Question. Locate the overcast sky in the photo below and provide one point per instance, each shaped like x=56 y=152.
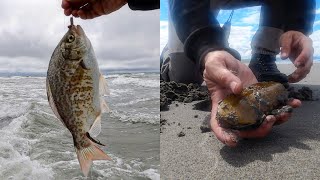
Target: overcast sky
x=244 y=25
x=30 y=30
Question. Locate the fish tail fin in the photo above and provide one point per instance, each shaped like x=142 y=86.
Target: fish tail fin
x=89 y=154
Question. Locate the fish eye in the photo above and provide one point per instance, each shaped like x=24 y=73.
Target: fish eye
x=71 y=38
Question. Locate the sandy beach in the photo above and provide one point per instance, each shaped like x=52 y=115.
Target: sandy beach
x=290 y=151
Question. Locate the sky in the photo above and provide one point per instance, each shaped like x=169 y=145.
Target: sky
x=30 y=31
x=244 y=24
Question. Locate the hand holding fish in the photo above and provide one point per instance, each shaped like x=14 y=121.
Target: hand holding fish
x=224 y=75
x=89 y=9
x=298 y=48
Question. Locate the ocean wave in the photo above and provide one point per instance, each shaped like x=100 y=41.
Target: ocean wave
x=136 y=117
x=135 y=101
x=136 y=81
x=35 y=145
x=15 y=162
x=126 y=169
x=119 y=92
x=23 y=77
x=152 y=174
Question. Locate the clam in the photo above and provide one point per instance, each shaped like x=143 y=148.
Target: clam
x=248 y=109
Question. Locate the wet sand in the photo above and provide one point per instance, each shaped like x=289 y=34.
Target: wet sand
x=291 y=150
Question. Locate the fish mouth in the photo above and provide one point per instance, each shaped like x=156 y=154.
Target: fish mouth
x=77 y=29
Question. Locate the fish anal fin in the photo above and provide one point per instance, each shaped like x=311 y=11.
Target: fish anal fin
x=89 y=154
x=95 y=128
x=103 y=86
x=52 y=103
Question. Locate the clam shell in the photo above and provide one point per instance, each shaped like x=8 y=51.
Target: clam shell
x=248 y=109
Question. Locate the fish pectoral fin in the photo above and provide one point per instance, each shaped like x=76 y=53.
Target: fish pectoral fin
x=95 y=128
x=83 y=65
x=52 y=103
x=89 y=154
x=103 y=86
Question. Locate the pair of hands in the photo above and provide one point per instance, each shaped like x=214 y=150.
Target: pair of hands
x=224 y=75
x=89 y=9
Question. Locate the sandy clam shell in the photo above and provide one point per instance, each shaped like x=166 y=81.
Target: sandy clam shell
x=248 y=109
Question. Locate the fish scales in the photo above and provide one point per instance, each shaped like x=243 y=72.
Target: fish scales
x=73 y=88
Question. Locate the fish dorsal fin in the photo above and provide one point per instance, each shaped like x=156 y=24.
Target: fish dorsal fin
x=103 y=90
x=95 y=128
x=103 y=86
x=52 y=103
x=104 y=106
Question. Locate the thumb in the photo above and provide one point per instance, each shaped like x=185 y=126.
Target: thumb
x=236 y=86
x=285 y=44
x=227 y=79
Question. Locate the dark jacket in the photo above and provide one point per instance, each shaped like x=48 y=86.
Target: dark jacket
x=144 y=4
x=200 y=32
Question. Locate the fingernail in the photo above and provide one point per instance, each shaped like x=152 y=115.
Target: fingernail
x=233 y=86
x=283 y=55
x=270 y=119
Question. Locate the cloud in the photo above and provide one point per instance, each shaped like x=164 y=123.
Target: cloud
x=240 y=38
x=318 y=11
x=316 y=23
x=31 y=30
x=251 y=19
x=163 y=34
x=315 y=36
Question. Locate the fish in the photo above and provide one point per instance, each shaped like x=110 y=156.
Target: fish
x=249 y=109
x=75 y=91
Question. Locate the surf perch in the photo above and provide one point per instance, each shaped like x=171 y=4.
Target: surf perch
x=75 y=89
x=248 y=109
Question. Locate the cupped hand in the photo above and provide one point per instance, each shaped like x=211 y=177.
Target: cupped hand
x=298 y=48
x=224 y=75
x=89 y=9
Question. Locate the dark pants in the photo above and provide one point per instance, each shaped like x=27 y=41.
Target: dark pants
x=276 y=17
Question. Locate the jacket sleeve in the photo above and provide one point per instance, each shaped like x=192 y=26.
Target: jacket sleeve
x=196 y=27
x=144 y=4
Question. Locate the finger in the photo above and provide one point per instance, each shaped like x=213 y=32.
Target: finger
x=224 y=135
x=67 y=12
x=282 y=118
x=261 y=131
x=296 y=77
x=306 y=54
x=82 y=14
x=299 y=74
x=285 y=44
x=74 y=13
x=99 y=10
x=91 y=15
x=65 y=4
x=226 y=78
x=294 y=103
